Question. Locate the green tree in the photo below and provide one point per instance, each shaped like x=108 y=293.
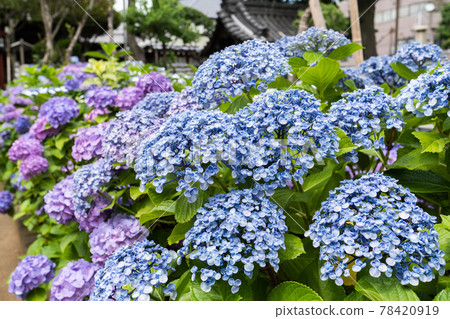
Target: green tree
x=443 y=30
x=167 y=21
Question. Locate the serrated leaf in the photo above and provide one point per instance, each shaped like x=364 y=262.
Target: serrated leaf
x=356 y=296
x=350 y=84
x=317 y=180
x=385 y=289
x=293 y=291
x=135 y=192
x=238 y=104
x=321 y=75
x=296 y=63
x=179 y=231
x=184 y=210
x=220 y=291
x=294 y=247
x=419 y=181
x=444 y=295
x=312 y=57
x=60 y=141
x=150 y=212
x=446 y=125
x=37 y=294
x=416 y=160
x=95 y=54
x=280 y=83
x=443 y=230
x=403 y=71
x=432 y=142
x=345 y=143
x=343 y=52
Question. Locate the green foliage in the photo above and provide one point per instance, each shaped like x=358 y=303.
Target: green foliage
x=293 y=291
x=385 y=289
x=443 y=30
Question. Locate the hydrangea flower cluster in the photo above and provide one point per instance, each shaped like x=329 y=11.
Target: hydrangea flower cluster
x=22 y=124
x=74 y=282
x=157 y=103
x=38 y=130
x=416 y=55
x=96 y=214
x=379 y=70
x=32 y=166
x=123 y=134
x=58 y=202
x=287 y=132
x=59 y=110
x=357 y=77
x=236 y=69
x=132 y=273
x=74 y=76
x=362 y=114
x=208 y=136
x=233 y=232
x=116 y=232
x=23 y=147
x=88 y=143
x=30 y=273
x=10 y=113
x=154 y=82
x=428 y=93
x=87 y=181
x=375 y=222
x=6 y=201
x=314 y=39
x=100 y=97
x=94 y=113
x=183 y=102
x=129 y=97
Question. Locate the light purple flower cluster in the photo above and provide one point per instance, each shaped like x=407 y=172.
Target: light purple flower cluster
x=129 y=97
x=74 y=282
x=154 y=82
x=114 y=233
x=38 y=130
x=183 y=102
x=100 y=97
x=6 y=201
x=74 y=76
x=58 y=202
x=88 y=143
x=32 y=166
x=59 y=110
x=90 y=117
x=24 y=147
x=30 y=273
x=96 y=214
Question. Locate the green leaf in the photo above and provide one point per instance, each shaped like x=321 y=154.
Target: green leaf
x=403 y=71
x=296 y=63
x=345 y=143
x=60 y=141
x=351 y=84
x=135 y=192
x=312 y=57
x=446 y=125
x=109 y=47
x=280 y=83
x=343 y=52
x=150 y=212
x=416 y=159
x=385 y=289
x=432 y=142
x=238 y=104
x=184 y=210
x=220 y=291
x=356 y=296
x=318 y=180
x=95 y=54
x=294 y=247
x=182 y=285
x=444 y=295
x=408 y=139
x=443 y=230
x=37 y=294
x=179 y=232
x=322 y=75
x=420 y=181
x=293 y=291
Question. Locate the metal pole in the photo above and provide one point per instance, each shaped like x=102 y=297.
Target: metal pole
x=397 y=15
x=356 y=30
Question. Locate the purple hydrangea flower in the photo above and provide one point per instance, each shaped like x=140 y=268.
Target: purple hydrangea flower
x=74 y=282
x=74 y=76
x=183 y=102
x=88 y=143
x=38 y=130
x=24 y=147
x=20 y=100
x=10 y=115
x=101 y=97
x=6 y=201
x=90 y=117
x=96 y=214
x=59 y=110
x=22 y=124
x=32 y=166
x=58 y=202
x=30 y=273
x=154 y=82
x=116 y=232
x=129 y=97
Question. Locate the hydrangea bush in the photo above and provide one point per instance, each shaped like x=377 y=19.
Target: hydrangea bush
x=271 y=168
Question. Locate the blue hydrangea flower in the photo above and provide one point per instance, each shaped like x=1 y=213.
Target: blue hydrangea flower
x=417 y=56
x=363 y=113
x=154 y=82
x=379 y=70
x=59 y=110
x=184 y=101
x=30 y=273
x=58 y=202
x=87 y=181
x=428 y=93
x=100 y=97
x=96 y=215
x=234 y=232
x=236 y=69
x=114 y=233
x=357 y=77
x=74 y=281
x=22 y=124
x=88 y=143
x=157 y=103
x=124 y=133
x=287 y=133
x=6 y=201
x=133 y=273
x=374 y=222
x=314 y=40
